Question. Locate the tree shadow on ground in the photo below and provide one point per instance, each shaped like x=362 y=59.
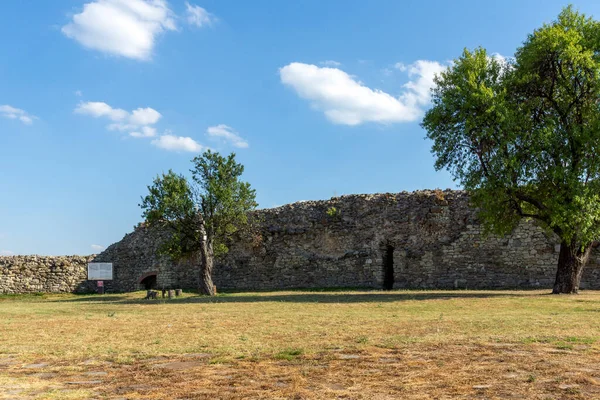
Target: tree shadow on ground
x=309 y=297
x=91 y=298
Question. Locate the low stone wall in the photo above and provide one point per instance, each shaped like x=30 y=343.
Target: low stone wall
x=32 y=274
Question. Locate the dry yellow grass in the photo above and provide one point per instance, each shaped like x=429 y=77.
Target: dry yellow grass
x=352 y=344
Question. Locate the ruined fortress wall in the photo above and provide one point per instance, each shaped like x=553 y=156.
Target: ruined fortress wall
x=137 y=256
x=32 y=274
x=432 y=239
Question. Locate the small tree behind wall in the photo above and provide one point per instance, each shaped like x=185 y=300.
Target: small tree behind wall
x=201 y=214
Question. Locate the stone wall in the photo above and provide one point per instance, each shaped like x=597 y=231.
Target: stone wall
x=425 y=239
x=32 y=274
x=431 y=239
x=137 y=257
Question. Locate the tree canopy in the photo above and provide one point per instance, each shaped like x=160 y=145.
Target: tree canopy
x=522 y=135
x=202 y=213
x=221 y=197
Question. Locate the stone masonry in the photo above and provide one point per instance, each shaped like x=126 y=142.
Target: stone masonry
x=423 y=240
x=32 y=274
x=431 y=239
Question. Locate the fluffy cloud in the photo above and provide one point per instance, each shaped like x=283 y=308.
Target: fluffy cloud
x=346 y=101
x=9 y=112
x=121 y=127
x=146 y=131
x=418 y=89
x=145 y=116
x=198 y=16
x=97 y=247
x=126 y=28
x=177 y=143
x=99 y=109
x=228 y=134
x=137 y=122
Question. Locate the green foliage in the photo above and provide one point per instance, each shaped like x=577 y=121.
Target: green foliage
x=222 y=198
x=214 y=201
x=289 y=354
x=169 y=199
x=362 y=339
x=170 y=204
x=333 y=213
x=523 y=134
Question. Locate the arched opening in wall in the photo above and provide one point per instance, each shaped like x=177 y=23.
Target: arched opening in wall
x=388 y=268
x=148 y=281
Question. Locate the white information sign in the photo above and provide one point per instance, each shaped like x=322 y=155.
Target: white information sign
x=100 y=271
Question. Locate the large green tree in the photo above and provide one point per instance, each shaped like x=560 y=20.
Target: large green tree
x=522 y=135
x=200 y=214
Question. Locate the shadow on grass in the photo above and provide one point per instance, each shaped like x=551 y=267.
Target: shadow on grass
x=93 y=298
x=306 y=297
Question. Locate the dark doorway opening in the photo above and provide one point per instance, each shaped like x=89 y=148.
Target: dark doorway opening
x=149 y=282
x=388 y=268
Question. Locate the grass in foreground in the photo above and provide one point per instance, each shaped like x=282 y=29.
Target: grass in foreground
x=404 y=344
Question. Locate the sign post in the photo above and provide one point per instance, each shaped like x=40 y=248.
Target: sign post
x=100 y=272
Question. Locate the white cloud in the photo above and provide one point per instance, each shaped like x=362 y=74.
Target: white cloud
x=330 y=63
x=346 y=101
x=99 y=109
x=126 y=28
x=228 y=134
x=78 y=93
x=401 y=66
x=97 y=247
x=177 y=143
x=10 y=112
x=148 y=131
x=144 y=116
x=137 y=123
x=6 y=253
x=26 y=119
x=502 y=59
x=145 y=132
x=421 y=74
x=121 y=127
x=198 y=16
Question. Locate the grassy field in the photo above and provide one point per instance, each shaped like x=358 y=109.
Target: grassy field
x=302 y=345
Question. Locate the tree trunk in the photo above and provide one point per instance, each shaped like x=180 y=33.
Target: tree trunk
x=206 y=283
x=571 y=260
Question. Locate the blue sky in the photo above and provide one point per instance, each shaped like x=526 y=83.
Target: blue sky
x=317 y=98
